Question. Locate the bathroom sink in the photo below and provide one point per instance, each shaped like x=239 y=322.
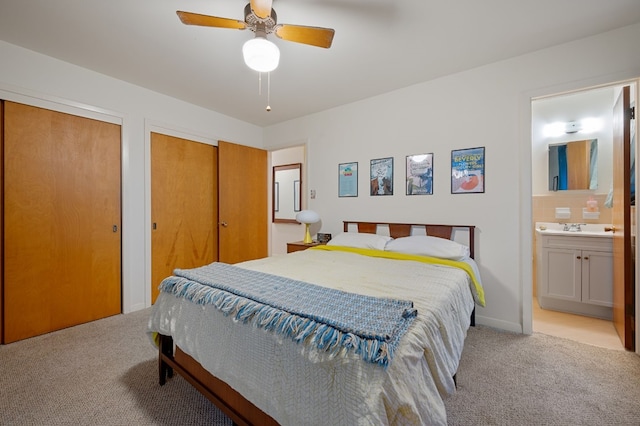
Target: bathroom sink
x=587 y=230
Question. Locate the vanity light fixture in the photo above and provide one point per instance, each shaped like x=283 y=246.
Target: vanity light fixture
x=586 y=125
x=572 y=127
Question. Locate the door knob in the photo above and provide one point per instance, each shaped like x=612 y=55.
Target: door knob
x=610 y=228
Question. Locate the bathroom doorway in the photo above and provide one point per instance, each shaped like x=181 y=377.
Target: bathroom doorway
x=283 y=232
x=566 y=111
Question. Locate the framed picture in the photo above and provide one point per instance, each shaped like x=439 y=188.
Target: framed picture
x=467 y=170
x=419 y=174
x=348 y=179
x=381 y=176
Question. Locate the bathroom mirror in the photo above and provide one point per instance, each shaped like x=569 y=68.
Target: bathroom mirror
x=287 y=192
x=573 y=165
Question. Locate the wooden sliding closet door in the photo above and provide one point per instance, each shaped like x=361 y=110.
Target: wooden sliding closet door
x=62 y=216
x=184 y=206
x=1 y=222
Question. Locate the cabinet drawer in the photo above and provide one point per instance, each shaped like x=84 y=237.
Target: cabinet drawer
x=299 y=246
x=581 y=243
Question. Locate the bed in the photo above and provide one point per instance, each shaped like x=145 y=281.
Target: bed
x=259 y=375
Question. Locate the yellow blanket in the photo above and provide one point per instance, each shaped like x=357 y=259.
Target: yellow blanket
x=424 y=259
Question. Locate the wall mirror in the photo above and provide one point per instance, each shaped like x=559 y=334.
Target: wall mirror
x=287 y=192
x=573 y=165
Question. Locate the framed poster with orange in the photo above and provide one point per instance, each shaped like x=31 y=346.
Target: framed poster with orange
x=467 y=170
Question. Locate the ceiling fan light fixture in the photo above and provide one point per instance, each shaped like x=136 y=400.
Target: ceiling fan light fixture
x=261 y=54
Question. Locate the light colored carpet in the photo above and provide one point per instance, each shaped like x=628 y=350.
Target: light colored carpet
x=101 y=373
x=512 y=379
x=105 y=373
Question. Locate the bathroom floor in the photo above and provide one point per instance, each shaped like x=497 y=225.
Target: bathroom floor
x=583 y=329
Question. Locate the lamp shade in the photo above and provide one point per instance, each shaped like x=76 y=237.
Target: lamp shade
x=260 y=54
x=307 y=216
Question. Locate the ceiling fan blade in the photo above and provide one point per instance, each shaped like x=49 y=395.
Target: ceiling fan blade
x=315 y=36
x=261 y=8
x=189 y=18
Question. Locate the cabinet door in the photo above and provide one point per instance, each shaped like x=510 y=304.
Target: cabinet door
x=563 y=273
x=597 y=285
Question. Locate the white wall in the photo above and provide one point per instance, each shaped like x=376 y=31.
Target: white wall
x=36 y=79
x=488 y=106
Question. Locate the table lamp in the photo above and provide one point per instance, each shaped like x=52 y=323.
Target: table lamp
x=307 y=217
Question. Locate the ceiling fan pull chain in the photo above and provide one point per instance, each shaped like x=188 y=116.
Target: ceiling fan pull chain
x=268 y=92
x=259 y=84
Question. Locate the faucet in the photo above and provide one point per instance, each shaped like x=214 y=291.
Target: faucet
x=572 y=227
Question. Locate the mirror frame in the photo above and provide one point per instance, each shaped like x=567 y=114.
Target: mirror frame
x=297 y=192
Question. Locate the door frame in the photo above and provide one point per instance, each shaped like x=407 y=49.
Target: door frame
x=525 y=156
x=282 y=233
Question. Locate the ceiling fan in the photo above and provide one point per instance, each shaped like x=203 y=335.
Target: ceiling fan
x=260 y=18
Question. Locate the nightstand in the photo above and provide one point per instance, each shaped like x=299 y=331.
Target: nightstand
x=299 y=245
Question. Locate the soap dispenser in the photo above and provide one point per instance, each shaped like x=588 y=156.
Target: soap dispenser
x=591 y=211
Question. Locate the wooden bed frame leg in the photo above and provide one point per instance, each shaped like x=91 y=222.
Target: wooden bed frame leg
x=165 y=346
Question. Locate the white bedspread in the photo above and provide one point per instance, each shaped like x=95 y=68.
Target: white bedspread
x=297 y=385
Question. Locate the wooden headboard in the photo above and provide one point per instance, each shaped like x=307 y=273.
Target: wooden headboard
x=397 y=230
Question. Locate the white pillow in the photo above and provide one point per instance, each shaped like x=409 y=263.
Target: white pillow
x=360 y=240
x=425 y=245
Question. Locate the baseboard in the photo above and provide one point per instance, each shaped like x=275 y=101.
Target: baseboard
x=133 y=308
x=499 y=324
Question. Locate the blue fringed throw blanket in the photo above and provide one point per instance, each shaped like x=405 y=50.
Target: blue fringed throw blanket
x=330 y=319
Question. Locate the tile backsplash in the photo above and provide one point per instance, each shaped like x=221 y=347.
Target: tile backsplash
x=544 y=207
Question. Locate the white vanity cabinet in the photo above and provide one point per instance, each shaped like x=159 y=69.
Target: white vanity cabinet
x=575 y=273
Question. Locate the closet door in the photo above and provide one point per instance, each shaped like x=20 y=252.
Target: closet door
x=243 y=215
x=184 y=206
x=62 y=216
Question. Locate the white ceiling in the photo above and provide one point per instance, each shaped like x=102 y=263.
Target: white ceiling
x=379 y=45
